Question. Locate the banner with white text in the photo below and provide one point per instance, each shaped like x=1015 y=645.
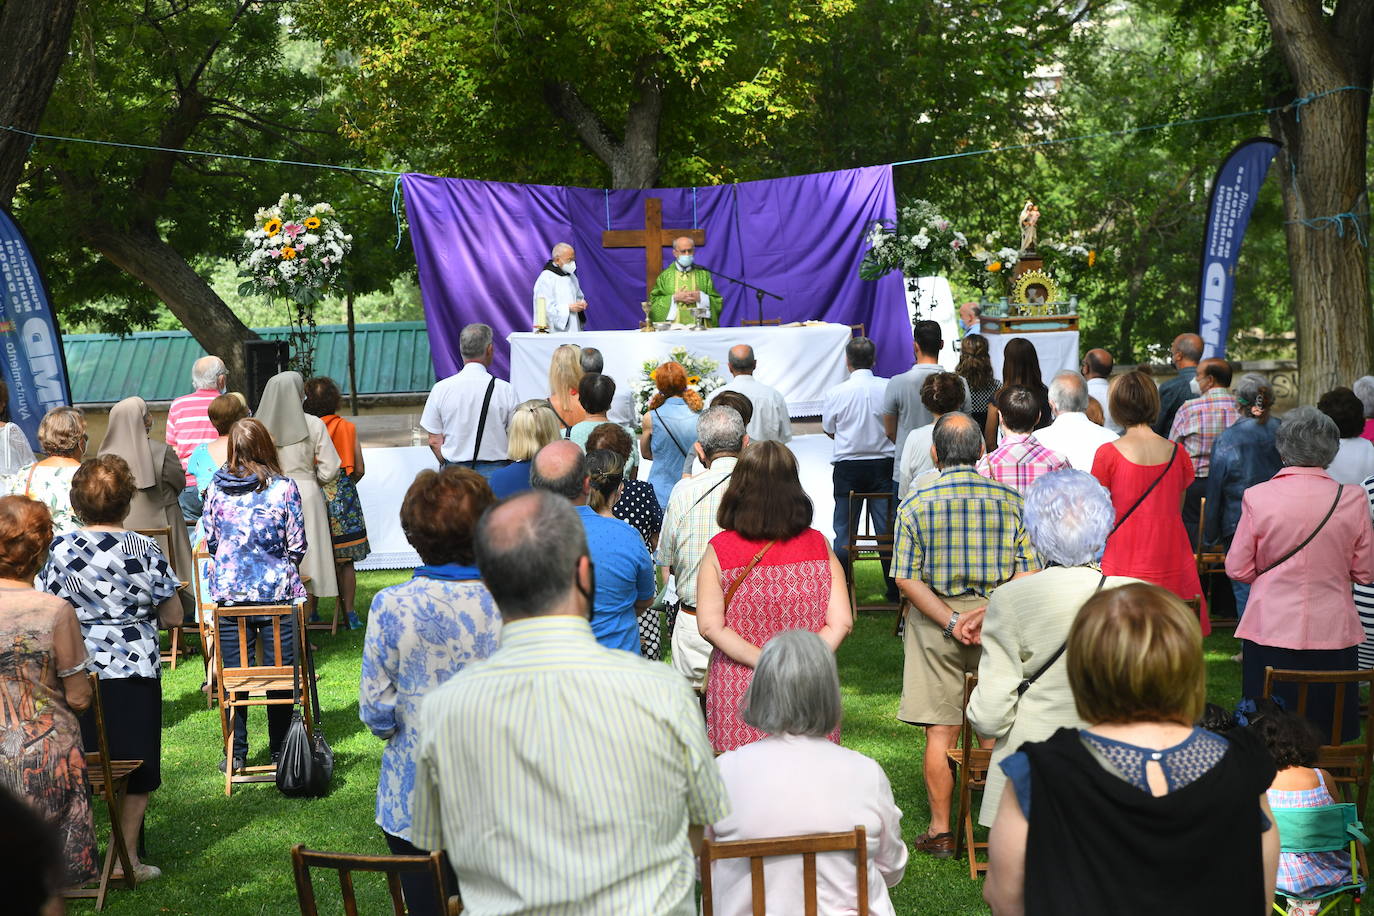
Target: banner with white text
x=34 y=368
x=1228 y=213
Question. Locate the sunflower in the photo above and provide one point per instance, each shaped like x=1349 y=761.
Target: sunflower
x=271 y=227
x=312 y=222
x=995 y=266
x=288 y=253
x=1092 y=258
x=694 y=380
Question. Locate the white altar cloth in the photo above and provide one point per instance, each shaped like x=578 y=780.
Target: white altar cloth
x=1058 y=350
x=801 y=362
x=390 y=472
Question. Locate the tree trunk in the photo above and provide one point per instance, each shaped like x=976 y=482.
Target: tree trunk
x=144 y=255
x=633 y=159
x=33 y=45
x=1323 y=168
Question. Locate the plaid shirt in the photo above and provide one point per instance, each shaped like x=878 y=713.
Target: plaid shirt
x=1198 y=423
x=962 y=534
x=1020 y=461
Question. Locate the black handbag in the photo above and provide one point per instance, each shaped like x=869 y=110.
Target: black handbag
x=306 y=765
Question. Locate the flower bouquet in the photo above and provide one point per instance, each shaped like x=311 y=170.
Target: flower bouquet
x=295 y=251
x=701 y=378
x=921 y=244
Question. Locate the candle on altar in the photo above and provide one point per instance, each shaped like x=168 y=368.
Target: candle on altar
x=541 y=314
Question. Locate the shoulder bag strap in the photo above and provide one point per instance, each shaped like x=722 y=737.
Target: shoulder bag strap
x=1148 y=490
x=669 y=430
x=1049 y=663
x=711 y=490
x=1292 y=553
x=734 y=586
x=482 y=420
x=28 y=483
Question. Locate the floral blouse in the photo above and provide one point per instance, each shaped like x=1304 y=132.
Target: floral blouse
x=419 y=634
x=116 y=583
x=255 y=539
x=51 y=485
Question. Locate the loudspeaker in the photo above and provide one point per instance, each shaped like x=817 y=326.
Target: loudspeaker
x=262 y=360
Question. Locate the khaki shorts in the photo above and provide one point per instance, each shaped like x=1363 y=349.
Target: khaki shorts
x=934 y=669
x=691 y=653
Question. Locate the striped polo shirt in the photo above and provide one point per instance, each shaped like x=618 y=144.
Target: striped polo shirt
x=560 y=777
x=188 y=425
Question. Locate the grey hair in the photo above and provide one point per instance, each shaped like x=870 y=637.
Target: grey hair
x=1068 y=516
x=474 y=340
x=559 y=249
x=527 y=560
x=207 y=371
x=1364 y=390
x=795 y=689
x=1069 y=392
x=860 y=352
x=1253 y=389
x=720 y=429
x=957 y=440
x=1307 y=438
x=592 y=361
x=745 y=364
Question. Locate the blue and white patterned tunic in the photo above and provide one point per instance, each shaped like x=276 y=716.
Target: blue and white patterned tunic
x=419 y=634
x=116 y=582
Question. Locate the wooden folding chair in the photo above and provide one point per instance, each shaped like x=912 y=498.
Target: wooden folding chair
x=865 y=543
x=970 y=764
x=302 y=860
x=1209 y=558
x=163 y=537
x=857 y=330
x=1349 y=763
x=109 y=780
x=755 y=323
x=807 y=846
x=246 y=685
x=205 y=615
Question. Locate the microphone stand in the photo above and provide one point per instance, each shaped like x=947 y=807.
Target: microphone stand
x=758 y=291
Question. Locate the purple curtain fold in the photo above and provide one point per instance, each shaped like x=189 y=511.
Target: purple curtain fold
x=479 y=246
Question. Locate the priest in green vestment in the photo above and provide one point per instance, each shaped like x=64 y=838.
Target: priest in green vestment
x=681 y=287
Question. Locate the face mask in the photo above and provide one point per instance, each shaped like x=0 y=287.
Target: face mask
x=1195 y=388
x=685 y=261
x=570 y=267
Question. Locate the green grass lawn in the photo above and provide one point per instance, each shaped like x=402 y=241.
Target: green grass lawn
x=232 y=855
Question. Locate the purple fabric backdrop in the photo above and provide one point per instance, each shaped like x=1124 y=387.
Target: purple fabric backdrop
x=480 y=245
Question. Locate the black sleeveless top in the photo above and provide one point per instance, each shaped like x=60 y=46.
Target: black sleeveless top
x=1097 y=844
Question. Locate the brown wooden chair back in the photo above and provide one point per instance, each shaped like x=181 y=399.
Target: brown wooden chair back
x=205 y=615
x=247 y=684
x=1349 y=763
x=391 y=867
x=865 y=543
x=754 y=322
x=970 y=764
x=807 y=846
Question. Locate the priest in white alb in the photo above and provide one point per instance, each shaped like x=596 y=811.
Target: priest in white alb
x=558 y=302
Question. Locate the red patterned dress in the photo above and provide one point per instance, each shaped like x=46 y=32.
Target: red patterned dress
x=789 y=589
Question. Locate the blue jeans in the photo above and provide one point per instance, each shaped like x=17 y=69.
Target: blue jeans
x=192 y=504
x=259 y=634
x=485 y=468
x=870 y=475
x=1242 y=592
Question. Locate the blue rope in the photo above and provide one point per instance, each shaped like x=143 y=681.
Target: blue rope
x=396 y=209
x=1338 y=223
x=1297 y=104
x=608 y=209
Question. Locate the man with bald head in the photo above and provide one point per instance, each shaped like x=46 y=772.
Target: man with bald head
x=770 y=419
x=624 y=569
x=682 y=287
x=1185 y=352
x=565 y=310
x=188 y=423
x=561 y=776
x=956 y=540
x=1097 y=369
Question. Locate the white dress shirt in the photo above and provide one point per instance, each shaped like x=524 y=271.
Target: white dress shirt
x=559 y=292
x=853 y=413
x=1097 y=390
x=1075 y=437
x=789 y=784
x=770 y=419
x=454 y=407
x=1354 y=461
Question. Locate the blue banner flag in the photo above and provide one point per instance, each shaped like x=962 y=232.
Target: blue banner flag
x=1228 y=213
x=35 y=369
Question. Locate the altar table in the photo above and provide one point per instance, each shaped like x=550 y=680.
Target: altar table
x=801 y=362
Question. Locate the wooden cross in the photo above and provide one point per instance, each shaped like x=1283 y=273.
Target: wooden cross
x=653 y=238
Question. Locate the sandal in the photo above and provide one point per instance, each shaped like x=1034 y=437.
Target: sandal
x=142 y=872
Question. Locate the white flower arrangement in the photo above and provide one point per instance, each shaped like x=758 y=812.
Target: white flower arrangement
x=293 y=250
x=701 y=378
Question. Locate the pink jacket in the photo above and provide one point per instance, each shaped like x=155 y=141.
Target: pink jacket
x=1306 y=602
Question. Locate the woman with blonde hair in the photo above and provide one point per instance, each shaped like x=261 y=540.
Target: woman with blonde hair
x=565 y=372
x=670 y=429
x=62 y=436
x=533 y=426
x=1141 y=811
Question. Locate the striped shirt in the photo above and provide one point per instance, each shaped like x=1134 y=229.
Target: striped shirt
x=1020 y=461
x=188 y=425
x=689 y=523
x=961 y=535
x=560 y=777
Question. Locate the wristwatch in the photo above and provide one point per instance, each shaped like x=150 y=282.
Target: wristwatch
x=949 y=627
